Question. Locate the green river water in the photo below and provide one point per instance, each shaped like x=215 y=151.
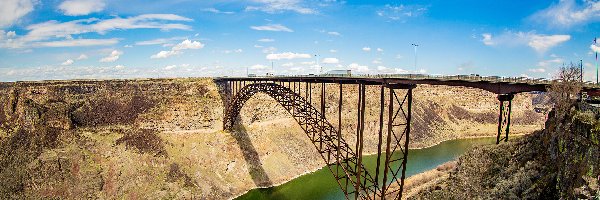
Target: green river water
x=321 y=184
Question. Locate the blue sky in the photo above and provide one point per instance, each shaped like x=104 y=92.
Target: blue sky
x=75 y=39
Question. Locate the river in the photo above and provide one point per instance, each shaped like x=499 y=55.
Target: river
x=321 y=184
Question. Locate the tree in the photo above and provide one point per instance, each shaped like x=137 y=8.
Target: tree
x=565 y=89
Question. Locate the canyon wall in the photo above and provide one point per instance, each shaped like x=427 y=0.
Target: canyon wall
x=162 y=138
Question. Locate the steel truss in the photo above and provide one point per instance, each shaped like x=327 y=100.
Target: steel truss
x=344 y=162
x=504 y=116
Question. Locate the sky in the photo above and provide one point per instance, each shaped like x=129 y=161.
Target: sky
x=102 y=39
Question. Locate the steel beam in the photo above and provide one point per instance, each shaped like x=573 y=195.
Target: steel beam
x=504 y=116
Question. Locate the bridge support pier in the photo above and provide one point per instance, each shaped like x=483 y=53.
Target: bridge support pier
x=504 y=116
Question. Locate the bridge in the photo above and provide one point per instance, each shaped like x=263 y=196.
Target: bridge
x=295 y=94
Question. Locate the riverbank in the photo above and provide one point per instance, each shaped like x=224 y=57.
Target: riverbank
x=414 y=184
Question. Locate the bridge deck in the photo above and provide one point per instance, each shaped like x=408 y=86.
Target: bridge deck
x=496 y=85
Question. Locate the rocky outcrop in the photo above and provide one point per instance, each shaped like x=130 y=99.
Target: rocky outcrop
x=163 y=139
x=559 y=162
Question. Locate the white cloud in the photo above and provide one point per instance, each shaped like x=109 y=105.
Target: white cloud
x=379 y=50
x=217 y=11
x=332 y=51
x=401 y=12
x=169 y=67
x=595 y=48
x=13 y=10
x=537 y=70
x=266 y=40
x=549 y=63
x=114 y=56
x=233 y=51
x=568 y=13
x=58 y=72
x=377 y=61
x=82 y=57
x=287 y=64
x=272 y=27
x=177 y=49
x=276 y=6
x=159 y=41
x=330 y=61
x=165 y=54
x=149 y=21
x=525 y=75
x=539 y=42
x=76 y=43
x=366 y=48
x=386 y=70
x=487 y=39
x=308 y=63
x=55 y=33
x=287 y=55
x=11 y=34
x=67 y=62
x=188 y=44
x=358 y=68
x=259 y=67
x=81 y=7
x=258 y=46
x=127 y=46
x=399 y=56
x=334 y=33
x=269 y=50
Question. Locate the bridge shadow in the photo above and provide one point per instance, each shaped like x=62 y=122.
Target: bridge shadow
x=251 y=156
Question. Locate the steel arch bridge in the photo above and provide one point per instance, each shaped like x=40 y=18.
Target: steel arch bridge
x=344 y=162
x=295 y=94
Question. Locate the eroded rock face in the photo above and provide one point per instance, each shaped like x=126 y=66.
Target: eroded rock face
x=163 y=138
x=559 y=162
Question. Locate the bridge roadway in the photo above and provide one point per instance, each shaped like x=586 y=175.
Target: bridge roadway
x=496 y=85
x=295 y=94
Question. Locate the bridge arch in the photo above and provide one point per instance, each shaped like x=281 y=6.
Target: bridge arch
x=341 y=160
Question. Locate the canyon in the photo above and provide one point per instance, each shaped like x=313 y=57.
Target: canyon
x=163 y=138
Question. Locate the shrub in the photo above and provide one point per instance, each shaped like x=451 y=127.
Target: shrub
x=143 y=140
x=111 y=111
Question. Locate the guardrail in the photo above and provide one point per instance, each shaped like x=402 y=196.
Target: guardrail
x=472 y=78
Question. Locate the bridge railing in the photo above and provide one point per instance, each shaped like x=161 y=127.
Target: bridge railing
x=473 y=78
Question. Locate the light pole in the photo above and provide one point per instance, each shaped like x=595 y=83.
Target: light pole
x=596 y=42
x=415 y=45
